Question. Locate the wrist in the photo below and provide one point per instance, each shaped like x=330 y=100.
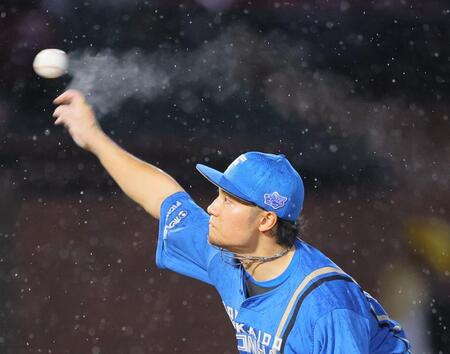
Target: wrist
x=96 y=139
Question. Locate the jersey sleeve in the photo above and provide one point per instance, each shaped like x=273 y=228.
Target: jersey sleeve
x=341 y=331
x=183 y=238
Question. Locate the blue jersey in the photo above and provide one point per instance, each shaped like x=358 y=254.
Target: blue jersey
x=314 y=308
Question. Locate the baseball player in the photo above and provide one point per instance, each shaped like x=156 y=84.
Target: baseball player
x=282 y=295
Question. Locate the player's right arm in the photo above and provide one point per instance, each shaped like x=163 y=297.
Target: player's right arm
x=146 y=184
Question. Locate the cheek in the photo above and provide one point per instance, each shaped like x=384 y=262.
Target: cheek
x=235 y=226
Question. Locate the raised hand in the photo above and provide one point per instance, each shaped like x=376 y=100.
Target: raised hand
x=78 y=117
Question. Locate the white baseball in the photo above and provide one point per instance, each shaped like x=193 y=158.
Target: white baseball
x=50 y=63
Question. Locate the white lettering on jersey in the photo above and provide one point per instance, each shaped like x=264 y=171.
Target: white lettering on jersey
x=266 y=339
x=277 y=343
x=241 y=342
x=181 y=215
x=251 y=331
x=239 y=327
x=176 y=220
x=172 y=208
x=252 y=340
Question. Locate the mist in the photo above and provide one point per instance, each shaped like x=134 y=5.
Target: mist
x=241 y=61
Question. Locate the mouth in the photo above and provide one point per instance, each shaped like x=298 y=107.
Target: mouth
x=211 y=230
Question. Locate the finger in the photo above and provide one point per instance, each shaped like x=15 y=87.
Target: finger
x=64 y=98
x=57 y=112
x=60 y=121
x=60 y=110
x=68 y=97
x=62 y=115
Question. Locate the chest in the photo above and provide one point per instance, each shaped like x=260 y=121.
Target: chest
x=260 y=321
x=257 y=331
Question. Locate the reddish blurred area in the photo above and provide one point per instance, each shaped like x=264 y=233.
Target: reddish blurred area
x=85 y=279
x=77 y=271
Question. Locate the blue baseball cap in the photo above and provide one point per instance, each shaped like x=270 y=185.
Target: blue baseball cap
x=266 y=180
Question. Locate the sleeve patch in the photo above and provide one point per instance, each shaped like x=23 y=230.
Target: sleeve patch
x=172 y=208
x=177 y=219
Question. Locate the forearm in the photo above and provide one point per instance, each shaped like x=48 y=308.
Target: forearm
x=144 y=183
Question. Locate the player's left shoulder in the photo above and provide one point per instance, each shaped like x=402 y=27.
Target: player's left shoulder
x=336 y=293
x=327 y=287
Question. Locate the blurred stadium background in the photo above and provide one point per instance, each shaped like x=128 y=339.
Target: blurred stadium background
x=355 y=93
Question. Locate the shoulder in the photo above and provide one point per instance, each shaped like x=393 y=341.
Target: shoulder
x=332 y=330
x=336 y=292
x=326 y=290
x=327 y=301
x=311 y=257
x=179 y=206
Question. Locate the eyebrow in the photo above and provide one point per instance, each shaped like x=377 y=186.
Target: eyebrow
x=245 y=202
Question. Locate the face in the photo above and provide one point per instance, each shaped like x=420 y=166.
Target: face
x=233 y=224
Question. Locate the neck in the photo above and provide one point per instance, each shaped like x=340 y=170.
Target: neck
x=270 y=269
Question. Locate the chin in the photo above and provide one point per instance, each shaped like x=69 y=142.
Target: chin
x=213 y=240
x=218 y=243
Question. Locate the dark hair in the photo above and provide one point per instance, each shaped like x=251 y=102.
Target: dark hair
x=287 y=231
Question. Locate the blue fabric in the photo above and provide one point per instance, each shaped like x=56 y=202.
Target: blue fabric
x=335 y=317
x=281 y=278
x=182 y=243
x=266 y=180
x=341 y=321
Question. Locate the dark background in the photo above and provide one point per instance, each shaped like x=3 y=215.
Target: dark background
x=354 y=93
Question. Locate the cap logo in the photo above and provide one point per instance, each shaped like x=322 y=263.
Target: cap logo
x=275 y=200
x=240 y=159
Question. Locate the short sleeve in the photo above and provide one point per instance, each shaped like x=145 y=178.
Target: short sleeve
x=341 y=331
x=183 y=237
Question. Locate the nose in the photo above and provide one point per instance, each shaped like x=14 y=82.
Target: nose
x=212 y=208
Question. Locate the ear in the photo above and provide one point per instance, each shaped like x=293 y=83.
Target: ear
x=268 y=221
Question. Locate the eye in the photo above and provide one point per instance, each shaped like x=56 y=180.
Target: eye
x=227 y=199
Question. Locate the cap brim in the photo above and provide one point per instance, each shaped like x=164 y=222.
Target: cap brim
x=217 y=178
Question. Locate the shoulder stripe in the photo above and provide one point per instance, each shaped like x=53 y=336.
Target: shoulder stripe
x=306 y=281
x=313 y=286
